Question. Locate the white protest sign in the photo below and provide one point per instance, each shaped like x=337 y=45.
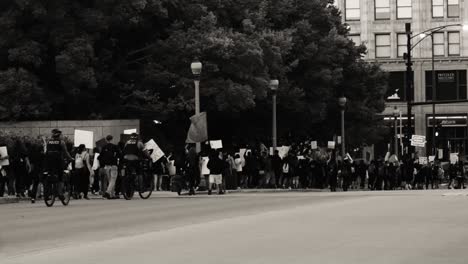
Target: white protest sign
x=453 y=158
x=338 y=139
x=84 y=137
x=313 y=145
x=4 y=153
x=157 y=152
x=331 y=144
x=423 y=160
x=300 y=157
x=216 y=144
x=283 y=151
x=96 y=161
x=431 y=158
x=440 y=154
x=418 y=141
x=205 y=170
x=241 y=154
x=130 y=131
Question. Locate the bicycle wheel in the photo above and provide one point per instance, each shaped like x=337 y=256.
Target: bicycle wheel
x=145 y=186
x=66 y=193
x=128 y=187
x=49 y=194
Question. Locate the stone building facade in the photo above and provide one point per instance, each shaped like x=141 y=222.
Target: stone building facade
x=380 y=25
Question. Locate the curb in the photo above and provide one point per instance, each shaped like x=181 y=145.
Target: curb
x=8 y=200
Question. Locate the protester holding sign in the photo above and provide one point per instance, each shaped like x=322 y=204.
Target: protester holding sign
x=83 y=170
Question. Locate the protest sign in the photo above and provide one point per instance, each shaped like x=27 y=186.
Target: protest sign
x=157 y=152
x=331 y=144
x=130 y=131
x=423 y=160
x=440 y=154
x=4 y=153
x=216 y=144
x=431 y=158
x=205 y=170
x=453 y=158
x=84 y=137
x=96 y=162
x=313 y=145
x=241 y=154
x=418 y=141
x=283 y=151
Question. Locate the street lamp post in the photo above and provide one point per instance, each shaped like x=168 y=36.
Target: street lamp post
x=196 y=67
x=274 y=87
x=409 y=78
x=342 y=102
x=396 y=113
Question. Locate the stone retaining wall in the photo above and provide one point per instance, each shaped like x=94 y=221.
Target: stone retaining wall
x=101 y=128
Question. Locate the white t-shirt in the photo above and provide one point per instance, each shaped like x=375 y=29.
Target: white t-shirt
x=238 y=163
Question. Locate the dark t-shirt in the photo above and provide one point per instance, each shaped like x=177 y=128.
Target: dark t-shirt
x=108 y=155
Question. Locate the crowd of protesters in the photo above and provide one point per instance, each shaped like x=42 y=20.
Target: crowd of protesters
x=99 y=171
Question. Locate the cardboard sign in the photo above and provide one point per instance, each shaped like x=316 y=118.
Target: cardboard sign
x=453 y=158
x=423 y=160
x=96 y=161
x=205 y=170
x=418 y=141
x=84 y=137
x=4 y=153
x=130 y=131
x=313 y=145
x=157 y=152
x=283 y=151
x=331 y=144
x=216 y=144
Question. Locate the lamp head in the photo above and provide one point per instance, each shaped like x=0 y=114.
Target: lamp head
x=196 y=67
x=342 y=101
x=274 y=85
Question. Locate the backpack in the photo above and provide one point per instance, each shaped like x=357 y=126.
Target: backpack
x=107 y=154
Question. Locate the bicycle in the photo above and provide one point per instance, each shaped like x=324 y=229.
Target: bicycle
x=51 y=182
x=143 y=182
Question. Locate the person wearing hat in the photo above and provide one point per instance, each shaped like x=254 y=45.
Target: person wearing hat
x=56 y=151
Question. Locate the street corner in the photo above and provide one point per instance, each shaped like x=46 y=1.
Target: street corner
x=8 y=200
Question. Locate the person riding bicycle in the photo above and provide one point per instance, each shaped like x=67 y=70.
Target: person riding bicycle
x=133 y=152
x=55 y=152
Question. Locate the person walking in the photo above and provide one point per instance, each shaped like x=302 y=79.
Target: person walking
x=238 y=162
x=216 y=165
x=83 y=170
x=108 y=159
x=193 y=168
x=21 y=167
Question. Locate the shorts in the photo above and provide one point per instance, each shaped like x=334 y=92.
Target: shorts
x=216 y=178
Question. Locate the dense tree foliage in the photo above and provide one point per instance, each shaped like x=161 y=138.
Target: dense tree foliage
x=70 y=59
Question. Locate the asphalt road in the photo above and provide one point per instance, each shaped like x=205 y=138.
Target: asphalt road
x=360 y=227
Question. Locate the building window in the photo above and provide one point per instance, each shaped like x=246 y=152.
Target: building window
x=437 y=8
x=453 y=8
x=382 y=46
x=454 y=43
x=356 y=38
x=439 y=44
x=382 y=9
x=404 y=9
x=397 y=84
x=401 y=41
x=353 y=12
x=451 y=85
